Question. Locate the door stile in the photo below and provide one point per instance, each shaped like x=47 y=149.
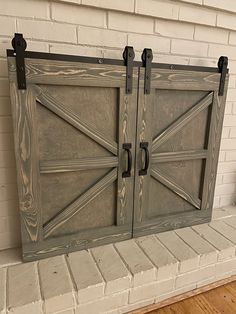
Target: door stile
x=213 y=147
x=144 y=135
x=127 y=135
x=26 y=152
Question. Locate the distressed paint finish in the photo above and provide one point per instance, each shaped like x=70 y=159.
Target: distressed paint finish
x=26 y=148
x=66 y=227
x=173 y=161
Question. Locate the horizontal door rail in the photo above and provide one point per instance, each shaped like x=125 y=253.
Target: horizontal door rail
x=176 y=156
x=68 y=165
x=69 y=116
x=76 y=206
x=174 y=187
x=173 y=128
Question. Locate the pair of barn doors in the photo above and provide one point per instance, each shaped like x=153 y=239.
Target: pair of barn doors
x=101 y=159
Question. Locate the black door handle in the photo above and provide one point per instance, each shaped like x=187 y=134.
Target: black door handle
x=144 y=146
x=127 y=147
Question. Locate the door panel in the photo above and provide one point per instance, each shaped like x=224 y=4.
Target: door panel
x=71 y=125
x=177 y=120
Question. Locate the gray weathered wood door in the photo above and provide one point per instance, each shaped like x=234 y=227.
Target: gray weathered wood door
x=70 y=125
x=178 y=138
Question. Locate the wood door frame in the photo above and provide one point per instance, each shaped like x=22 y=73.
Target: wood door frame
x=179 y=80
x=53 y=72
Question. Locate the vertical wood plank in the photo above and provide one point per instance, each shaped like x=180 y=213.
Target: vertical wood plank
x=144 y=134
x=216 y=123
x=127 y=134
x=26 y=152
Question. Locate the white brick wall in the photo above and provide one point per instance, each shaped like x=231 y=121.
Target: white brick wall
x=193 y=32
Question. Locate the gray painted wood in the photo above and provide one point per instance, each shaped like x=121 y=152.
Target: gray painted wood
x=180 y=104
x=80 y=119
x=26 y=152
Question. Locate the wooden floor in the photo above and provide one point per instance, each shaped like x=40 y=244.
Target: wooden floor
x=216 y=301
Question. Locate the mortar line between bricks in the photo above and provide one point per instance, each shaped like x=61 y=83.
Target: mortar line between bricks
x=173 y=255
x=155 y=267
x=204 y=238
x=74 y=287
x=40 y=288
x=189 y=246
x=98 y=268
x=234 y=244
x=126 y=265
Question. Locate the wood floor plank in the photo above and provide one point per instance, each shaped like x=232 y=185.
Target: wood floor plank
x=221 y=300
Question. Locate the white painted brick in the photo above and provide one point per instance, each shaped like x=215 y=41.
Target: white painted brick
x=10 y=240
x=188 y=259
x=226 y=20
x=5 y=106
x=9 y=208
x=7 y=24
x=135 y=306
x=3 y=68
x=231 y=94
x=197 y=15
x=216 y=202
x=210 y=34
x=206 y=282
x=157 y=8
x=231 y=221
x=113 y=270
x=47 y=31
x=195 y=276
x=104 y=305
x=101 y=37
x=221 y=156
x=226 y=200
x=165 y=263
x=224 y=229
x=174 y=29
x=224 y=5
x=229 y=107
x=77 y=50
x=130 y=23
x=26 y=8
x=138 y=264
x=152 y=290
x=127 y=5
x=233 y=108
x=226 y=266
x=191 y=48
x=208 y=254
x=229 y=178
x=23 y=289
x=216 y=51
x=37 y=46
x=157 y=44
x=230 y=156
x=225 y=247
x=10 y=257
x=78 y=15
x=175 y=292
x=232 y=81
x=56 y=285
x=4 y=87
x=167 y=58
x=88 y=280
x=225 y=189
x=203 y=62
x=230 y=120
x=3 y=290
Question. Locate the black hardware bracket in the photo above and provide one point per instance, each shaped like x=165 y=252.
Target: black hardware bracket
x=128 y=56
x=144 y=146
x=19 y=44
x=222 y=66
x=127 y=147
x=147 y=57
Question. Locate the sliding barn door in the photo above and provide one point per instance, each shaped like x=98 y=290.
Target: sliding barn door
x=74 y=129
x=178 y=138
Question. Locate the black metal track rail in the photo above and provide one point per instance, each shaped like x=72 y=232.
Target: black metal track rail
x=71 y=58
